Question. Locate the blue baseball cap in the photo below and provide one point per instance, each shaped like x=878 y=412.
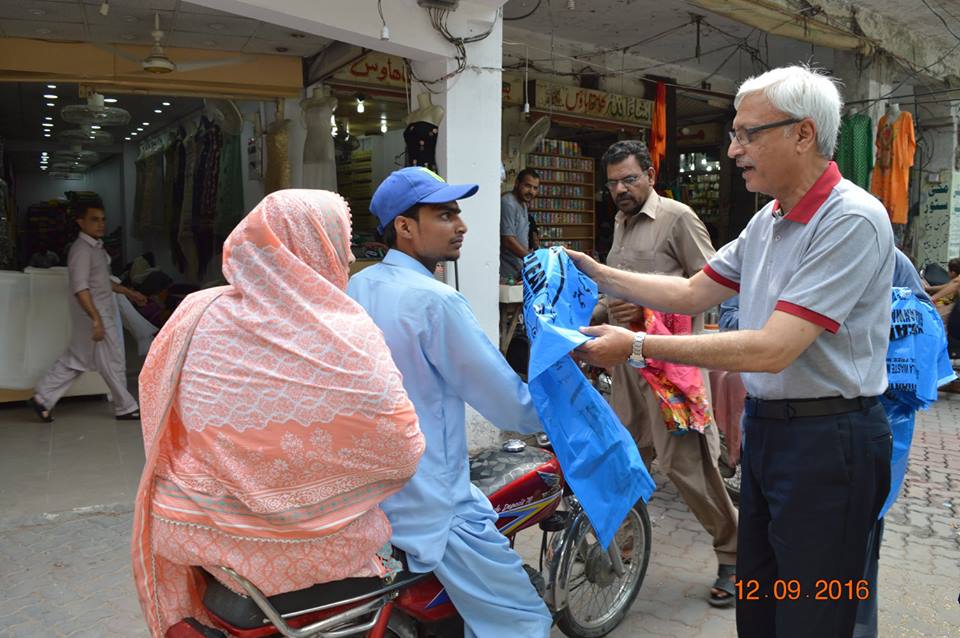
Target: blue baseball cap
x=411 y=186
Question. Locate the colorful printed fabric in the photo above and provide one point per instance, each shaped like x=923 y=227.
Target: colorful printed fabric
x=679 y=388
x=274 y=420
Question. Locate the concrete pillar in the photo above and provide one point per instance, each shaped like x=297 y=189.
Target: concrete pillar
x=468 y=150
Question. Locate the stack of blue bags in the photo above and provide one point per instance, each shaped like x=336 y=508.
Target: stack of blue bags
x=917 y=340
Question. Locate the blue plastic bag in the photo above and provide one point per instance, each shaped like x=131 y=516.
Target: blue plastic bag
x=599 y=458
x=917 y=364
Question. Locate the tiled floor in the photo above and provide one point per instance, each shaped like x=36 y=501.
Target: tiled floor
x=59 y=466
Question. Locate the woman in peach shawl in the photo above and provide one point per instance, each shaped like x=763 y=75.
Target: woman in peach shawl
x=274 y=420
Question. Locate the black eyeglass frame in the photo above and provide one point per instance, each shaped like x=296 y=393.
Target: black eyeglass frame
x=753 y=130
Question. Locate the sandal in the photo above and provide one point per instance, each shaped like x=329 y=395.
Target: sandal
x=41 y=411
x=129 y=416
x=724 y=593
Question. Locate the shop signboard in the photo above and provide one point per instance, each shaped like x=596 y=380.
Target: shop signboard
x=709 y=134
x=588 y=103
x=375 y=69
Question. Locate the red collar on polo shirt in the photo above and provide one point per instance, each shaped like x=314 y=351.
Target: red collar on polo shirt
x=811 y=202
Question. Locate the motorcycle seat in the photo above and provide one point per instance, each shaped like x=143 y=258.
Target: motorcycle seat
x=242 y=612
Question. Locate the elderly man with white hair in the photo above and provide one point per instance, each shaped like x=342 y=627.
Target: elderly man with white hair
x=813 y=269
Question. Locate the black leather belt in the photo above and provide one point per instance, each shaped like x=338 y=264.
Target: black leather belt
x=800 y=408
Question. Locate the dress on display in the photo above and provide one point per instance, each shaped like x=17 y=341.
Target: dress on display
x=421 y=141
x=278 y=158
x=173 y=198
x=229 y=188
x=205 y=192
x=319 y=162
x=185 y=230
x=896 y=146
x=854 y=154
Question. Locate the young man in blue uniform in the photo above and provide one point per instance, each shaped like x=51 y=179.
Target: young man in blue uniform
x=442 y=522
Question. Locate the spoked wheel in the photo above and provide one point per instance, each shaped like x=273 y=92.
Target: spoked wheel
x=597 y=598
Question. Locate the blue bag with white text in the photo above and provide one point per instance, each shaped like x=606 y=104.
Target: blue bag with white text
x=599 y=458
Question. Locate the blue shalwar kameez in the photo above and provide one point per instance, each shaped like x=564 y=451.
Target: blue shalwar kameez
x=442 y=522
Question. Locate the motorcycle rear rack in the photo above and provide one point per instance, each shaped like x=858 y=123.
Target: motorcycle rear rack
x=331 y=627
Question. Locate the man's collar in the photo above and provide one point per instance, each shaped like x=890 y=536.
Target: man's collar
x=401 y=259
x=649 y=208
x=96 y=243
x=814 y=198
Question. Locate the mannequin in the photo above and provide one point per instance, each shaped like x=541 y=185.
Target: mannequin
x=896 y=145
x=420 y=135
x=278 y=157
x=319 y=163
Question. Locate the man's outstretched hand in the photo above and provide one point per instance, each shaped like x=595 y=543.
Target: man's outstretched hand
x=612 y=345
x=585 y=263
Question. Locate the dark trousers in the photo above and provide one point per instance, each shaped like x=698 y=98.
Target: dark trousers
x=867 y=610
x=810 y=495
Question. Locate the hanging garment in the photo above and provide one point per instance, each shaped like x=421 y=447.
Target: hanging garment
x=205 y=198
x=854 y=156
x=173 y=198
x=896 y=146
x=230 y=208
x=278 y=157
x=185 y=228
x=421 y=141
x=658 y=127
x=599 y=458
x=138 y=198
x=319 y=161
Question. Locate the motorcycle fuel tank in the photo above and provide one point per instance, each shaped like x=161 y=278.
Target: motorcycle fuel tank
x=524 y=484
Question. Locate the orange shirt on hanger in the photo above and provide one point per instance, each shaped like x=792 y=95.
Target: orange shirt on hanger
x=896 y=146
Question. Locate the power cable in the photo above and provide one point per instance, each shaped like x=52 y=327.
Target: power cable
x=525 y=16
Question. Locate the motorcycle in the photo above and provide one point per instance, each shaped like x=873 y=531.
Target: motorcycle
x=588 y=589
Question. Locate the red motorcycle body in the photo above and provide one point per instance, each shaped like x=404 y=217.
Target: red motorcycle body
x=524 y=487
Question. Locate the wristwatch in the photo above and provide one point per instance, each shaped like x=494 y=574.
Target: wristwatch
x=636 y=356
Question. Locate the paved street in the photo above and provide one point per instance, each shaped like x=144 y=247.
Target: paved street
x=68 y=574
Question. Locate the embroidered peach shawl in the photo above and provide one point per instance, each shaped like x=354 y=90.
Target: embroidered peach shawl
x=274 y=420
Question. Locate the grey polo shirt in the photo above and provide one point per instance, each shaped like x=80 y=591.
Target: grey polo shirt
x=513 y=221
x=830 y=261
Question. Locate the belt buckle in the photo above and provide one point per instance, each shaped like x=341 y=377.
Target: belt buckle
x=789 y=411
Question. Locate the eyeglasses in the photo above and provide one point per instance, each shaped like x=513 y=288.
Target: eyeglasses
x=627 y=181
x=744 y=136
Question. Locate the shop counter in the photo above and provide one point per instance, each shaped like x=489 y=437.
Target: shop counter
x=511 y=307
x=36 y=331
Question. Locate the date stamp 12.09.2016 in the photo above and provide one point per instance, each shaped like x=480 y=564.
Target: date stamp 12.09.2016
x=826 y=589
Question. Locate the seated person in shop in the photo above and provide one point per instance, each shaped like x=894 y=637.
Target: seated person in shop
x=443 y=522
x=43 y=257
x=274 y=421
x=515 y=224
x=96 y=342
x=946 y=293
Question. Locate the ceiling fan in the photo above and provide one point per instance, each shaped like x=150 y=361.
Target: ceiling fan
x=95 y=112
x=159 y=62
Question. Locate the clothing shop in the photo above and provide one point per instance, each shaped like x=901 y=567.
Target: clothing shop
x=179 y=140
